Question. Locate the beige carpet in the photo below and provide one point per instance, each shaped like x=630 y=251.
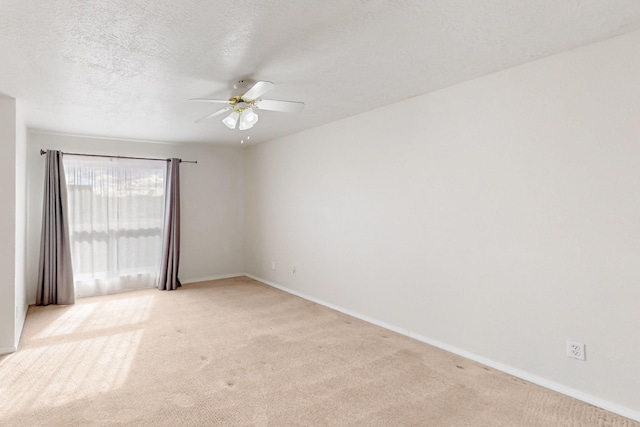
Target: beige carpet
x=235 y=352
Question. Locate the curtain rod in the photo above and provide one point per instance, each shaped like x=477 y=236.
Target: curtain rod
x=43 y=152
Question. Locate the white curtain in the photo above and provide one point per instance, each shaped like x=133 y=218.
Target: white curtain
x=116 y=209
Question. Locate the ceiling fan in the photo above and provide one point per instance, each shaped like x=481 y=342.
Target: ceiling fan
x=242 y=106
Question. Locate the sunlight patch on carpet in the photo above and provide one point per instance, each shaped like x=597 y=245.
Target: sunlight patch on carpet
x=83 y=369
x=96 y=315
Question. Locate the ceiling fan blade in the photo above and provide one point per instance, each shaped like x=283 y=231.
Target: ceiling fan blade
x=257 y=90
x=217 y=101
x=217 y=113
x=283 y=106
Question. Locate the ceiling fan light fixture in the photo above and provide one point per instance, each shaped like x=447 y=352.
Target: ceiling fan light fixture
x=231 y=120
x=247 y=119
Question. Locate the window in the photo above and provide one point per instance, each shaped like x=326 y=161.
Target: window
x=116 y=209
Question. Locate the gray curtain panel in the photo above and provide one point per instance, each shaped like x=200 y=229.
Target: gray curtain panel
x=55 y=275
x=168 y=277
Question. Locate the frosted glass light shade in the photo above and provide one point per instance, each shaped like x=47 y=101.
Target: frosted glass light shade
x=248 y=119
x=231 y=120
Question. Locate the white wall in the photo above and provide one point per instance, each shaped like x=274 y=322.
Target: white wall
x=20 y=223
x=7 y=223
x=211 y=200
x=499 y=217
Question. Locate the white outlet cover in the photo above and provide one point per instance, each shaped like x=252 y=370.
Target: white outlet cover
x=273 y=265
x=576 y=350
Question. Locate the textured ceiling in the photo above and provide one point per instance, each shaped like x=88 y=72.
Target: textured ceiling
x=126 y=68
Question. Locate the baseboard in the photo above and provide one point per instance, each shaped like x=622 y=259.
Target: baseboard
x=20 y=325
x=551 y=385
x=207 y=279
x=7 y=350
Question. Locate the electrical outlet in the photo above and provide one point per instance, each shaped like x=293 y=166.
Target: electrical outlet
x=273 y=265
x=575 y=349
x=293 y=270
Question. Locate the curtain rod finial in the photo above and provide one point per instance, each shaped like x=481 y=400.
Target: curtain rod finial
x=43 y=152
